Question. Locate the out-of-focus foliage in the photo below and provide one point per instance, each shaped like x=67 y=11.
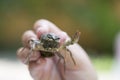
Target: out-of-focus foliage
x=98 y=20
x=103 y=63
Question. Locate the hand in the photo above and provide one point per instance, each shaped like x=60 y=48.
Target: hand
x=47 y=68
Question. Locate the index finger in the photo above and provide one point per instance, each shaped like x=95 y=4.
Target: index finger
x=44 y=26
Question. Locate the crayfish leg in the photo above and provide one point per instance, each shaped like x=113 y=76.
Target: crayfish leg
x=61 y=57
x=71 y=56
x=28 y=57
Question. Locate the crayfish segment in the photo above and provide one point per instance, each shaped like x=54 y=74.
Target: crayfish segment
x=74 y=40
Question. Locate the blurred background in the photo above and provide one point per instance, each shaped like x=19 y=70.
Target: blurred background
x=97 y=20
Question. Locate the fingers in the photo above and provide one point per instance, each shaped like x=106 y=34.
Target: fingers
x=28 y=35
x=63 y=37
x=40 y=27
x=49 y=26
x=44 y=26
x=22 y=54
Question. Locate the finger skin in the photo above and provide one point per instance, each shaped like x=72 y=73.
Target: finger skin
x=46 y=68
x=28 y=35
x=84 y=65
x=44 y=26
x=23 y=52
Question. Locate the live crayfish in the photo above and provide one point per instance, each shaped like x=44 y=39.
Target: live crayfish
x=49 y=45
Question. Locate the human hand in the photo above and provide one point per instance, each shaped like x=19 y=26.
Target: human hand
x=47 y=68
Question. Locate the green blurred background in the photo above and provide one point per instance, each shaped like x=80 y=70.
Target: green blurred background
x=97 y=20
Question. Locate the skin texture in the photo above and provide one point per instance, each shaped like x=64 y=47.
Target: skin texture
x=48 y=68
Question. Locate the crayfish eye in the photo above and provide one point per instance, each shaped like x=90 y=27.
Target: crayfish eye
x=57 y=38
x=50 y=36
